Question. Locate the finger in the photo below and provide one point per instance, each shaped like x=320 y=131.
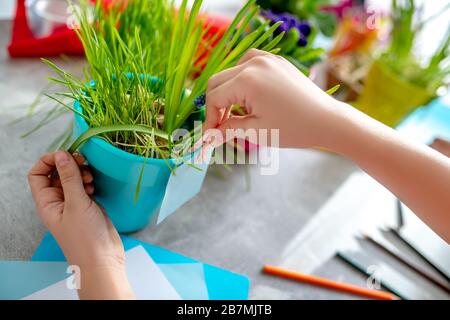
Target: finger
x=86 y=176
x=70 y=176
x=224 y=76
x=221 y=99
x=51 y=196
x=230 y=73
x=252 y=53
x=50 y=206
x=38 y=177
x=226 y=115
x=229 y=128
x=89 y=189
x=79 y=158
x=213 y=118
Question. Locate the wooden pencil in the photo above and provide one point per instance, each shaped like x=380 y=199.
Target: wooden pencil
x=327 y=283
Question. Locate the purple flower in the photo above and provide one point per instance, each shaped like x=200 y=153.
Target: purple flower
x=200 y=101
x=284 y=27
x=304 y=28
x=269 y=15
x=302 y=42
x=289 y=21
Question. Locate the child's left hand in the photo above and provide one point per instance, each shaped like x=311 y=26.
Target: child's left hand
x=81 y=228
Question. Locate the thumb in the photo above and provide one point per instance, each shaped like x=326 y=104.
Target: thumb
x=70 y=176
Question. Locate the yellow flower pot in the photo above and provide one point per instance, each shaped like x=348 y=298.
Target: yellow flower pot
x=388 y=98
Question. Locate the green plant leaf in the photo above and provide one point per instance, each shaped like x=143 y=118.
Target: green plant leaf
x=333 y=90
x=93 y=132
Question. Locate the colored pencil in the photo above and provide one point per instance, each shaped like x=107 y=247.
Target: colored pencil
x=327 y=283
x=400 y=214
x=425 y=259
x=358 y=267
x=406 y=263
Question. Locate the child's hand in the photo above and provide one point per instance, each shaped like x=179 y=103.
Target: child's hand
x=82 y=229
x=276 y=96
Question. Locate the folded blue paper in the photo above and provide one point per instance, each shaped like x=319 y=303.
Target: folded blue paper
x=184 y=273
x=184 y=184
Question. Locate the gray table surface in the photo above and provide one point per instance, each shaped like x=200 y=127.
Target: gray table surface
x=225 y=225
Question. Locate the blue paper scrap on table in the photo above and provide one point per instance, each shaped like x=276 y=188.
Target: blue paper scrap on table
x=190 y=278
x=19 y=279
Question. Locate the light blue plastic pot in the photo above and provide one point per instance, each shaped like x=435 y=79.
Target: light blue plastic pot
x=116 y=175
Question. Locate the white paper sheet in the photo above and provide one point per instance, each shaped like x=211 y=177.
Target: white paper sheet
x=145 y=277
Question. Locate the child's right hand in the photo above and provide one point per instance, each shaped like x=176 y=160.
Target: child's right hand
x=276 y=95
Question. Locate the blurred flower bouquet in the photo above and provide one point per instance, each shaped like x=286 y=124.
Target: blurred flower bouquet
x=297 y=44
x=306 y=10
x=398 y=82
x=351 y=55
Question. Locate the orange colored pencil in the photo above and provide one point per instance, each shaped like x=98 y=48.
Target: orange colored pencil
x=330 y=284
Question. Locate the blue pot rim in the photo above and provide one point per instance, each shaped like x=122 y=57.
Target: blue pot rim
x=123 y=154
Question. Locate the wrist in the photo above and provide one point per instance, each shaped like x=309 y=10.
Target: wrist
x=336 y=127
x=350 y=131
x=104 y=283
x=93 y=259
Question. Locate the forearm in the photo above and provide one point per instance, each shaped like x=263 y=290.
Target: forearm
x=418 y=175
x=104 y=284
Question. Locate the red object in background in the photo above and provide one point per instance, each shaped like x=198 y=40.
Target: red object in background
x=65 y=41
x=216 y=27
x=339 y=9
x=25 y=44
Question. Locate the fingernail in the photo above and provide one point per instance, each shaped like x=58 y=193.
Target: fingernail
x=61 y=158
x=206 y=136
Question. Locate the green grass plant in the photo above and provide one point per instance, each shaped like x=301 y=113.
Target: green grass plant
x=137 y=88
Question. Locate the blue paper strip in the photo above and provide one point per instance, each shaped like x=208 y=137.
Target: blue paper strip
x=221 y=284
x=19 y=279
